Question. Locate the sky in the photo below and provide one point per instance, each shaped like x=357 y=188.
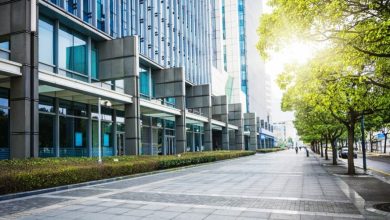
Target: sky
x=296 y=52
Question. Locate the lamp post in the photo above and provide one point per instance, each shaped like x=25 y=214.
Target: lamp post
x=106 y=103
x=363 y=144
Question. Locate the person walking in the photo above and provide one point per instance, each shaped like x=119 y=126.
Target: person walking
x=296 y=150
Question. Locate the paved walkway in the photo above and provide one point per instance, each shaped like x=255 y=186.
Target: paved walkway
x=279 y=185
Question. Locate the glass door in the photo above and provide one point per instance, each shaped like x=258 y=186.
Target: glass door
x=120 y=143
x=169 y=145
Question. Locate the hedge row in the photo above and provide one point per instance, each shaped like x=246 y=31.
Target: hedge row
x=269 y=150
x=39 y=173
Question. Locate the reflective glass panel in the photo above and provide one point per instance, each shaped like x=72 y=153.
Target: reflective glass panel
x=46 y=41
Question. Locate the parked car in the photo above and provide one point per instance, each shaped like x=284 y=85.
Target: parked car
x=343 y=153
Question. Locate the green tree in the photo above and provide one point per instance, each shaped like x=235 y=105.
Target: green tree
x=360 y=29
x=328 y=85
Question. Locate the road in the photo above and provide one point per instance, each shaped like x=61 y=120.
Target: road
x=375 y=165
x=281 y=185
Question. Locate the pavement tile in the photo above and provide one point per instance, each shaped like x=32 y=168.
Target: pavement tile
x=191 y=216
x=115 y=211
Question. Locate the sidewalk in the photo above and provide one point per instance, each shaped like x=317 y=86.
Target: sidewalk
x=370 y=189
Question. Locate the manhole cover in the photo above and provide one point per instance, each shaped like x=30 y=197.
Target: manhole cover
x=383 y=207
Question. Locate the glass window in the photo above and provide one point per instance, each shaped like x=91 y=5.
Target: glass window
x=4 y=45
x=46 y=126
x=72 y=49
x=100 y=14
x=79 y=54
x=46 y=104
x=144 y=82
x=46 y=42
x=4 y=128
x=94 y=61
x=73 y=136
x=87 y=14
x=4 y=118
x=4 y=97
x=4 y=48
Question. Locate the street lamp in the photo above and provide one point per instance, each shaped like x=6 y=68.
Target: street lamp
x=106 y=103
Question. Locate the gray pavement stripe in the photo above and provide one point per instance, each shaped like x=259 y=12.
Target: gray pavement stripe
x=331 y=207
x=251 y=197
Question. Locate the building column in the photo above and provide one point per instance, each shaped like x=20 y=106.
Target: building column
x=114 y=133
x=220 y=113
x=180 y=126
x=57 y=127
x=119 y=59
x=250 y=121
x=235 y=118
x=24 y=97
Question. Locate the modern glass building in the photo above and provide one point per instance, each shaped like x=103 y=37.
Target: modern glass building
x=147 y=62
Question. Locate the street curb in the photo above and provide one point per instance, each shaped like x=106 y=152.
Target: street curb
x=96 y=182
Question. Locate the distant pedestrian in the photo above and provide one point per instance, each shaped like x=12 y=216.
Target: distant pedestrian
x=296 y=150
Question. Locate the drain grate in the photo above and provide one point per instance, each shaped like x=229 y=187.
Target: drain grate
x=383 y=207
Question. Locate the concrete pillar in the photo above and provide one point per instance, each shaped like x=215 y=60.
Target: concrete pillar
x=113 y=133
x=119 y=59
x=250 y=121
x=170 y=83
x=235 y=118
x=199 y=97
x=180 y=126
x=57 y=127
x=17 y=23
x=220 y=113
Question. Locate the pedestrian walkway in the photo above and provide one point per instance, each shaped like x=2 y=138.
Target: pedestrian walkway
x=281 y=185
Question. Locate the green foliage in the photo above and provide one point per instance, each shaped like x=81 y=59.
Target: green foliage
x=39 y=173
x=269 y=150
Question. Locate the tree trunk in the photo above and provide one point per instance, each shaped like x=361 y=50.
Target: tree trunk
x=334 y=151
x=372 y=149
x=384 y=149
x=351 y=139
x=321 y=149
x=326 y=149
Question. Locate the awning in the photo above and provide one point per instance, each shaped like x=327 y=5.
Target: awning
x=55 y=85
x=9 y=68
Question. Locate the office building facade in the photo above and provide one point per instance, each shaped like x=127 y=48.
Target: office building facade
x=147 y=62
x=236 y=56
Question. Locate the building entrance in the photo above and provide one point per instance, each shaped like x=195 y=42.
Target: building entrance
x=120 y=143
x=170 y=145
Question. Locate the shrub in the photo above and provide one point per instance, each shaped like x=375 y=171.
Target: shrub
x=39 y=173
x=269 y=150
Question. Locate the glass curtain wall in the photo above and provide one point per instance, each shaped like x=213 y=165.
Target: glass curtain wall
x=144 y=83
x=46 y=44
x=120 y=132
x=4 y=124
x=145 y=136
x=47 y=118
x=157 y=136
x=195 y=136
x=73 y=129
x=72 y=51
x=107 y=141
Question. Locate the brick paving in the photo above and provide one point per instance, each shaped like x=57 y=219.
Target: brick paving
x=279 y=185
